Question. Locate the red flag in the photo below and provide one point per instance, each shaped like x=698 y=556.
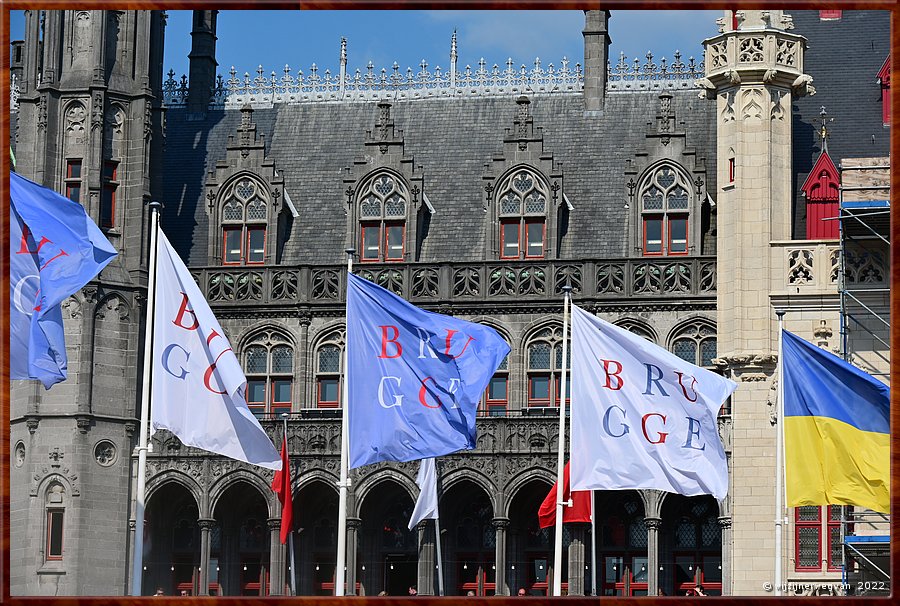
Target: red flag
x=281 y=484
x=580 y=511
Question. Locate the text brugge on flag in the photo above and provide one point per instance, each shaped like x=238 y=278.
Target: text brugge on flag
x=837 y=438
x=579 y=511
x=55 y=249
x=414 y=377
x=198 y=385
x=641 y=416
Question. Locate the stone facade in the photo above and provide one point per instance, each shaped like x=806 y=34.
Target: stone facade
x=266 y=183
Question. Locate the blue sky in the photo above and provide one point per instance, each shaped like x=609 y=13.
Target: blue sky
x=247 y=39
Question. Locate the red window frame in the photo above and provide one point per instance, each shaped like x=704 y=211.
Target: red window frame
x=884 y=79
x=491 y=405
x=814 y=524
x=362 y=243
x=277 y=406
x=257 y=407
x=540 y=402
x=517 y=223
x=225 y=231
x=49 y=554
x=249 y=230
x=70 y=166
x=108 y=194
x=320 y=403
x=731 y=170
x=668 y=235
x=833 y=524
x=385 y=242
x=524 y=236
x=74 y=187
x=662 y=235
x=830 y=15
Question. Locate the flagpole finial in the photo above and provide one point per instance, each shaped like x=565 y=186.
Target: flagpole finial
x=350 y=251
x=780 y=313
x=155 y=205
x=567 y=288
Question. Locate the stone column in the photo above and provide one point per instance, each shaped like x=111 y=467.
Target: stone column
x=353 y=525
x=276 y=558
x=425 y=576
x=501 y=586
x=304 y=381
x=652 y=525
x=754 y=70
x=205 y=525
x=576 y=559
x=725 y=525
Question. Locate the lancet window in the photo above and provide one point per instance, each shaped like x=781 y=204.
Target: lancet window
x=383 y=206
x=522 y=205
x=328 y=361
x=665 y=198
x=244 y=222
x=269 y=364
x=545 y=360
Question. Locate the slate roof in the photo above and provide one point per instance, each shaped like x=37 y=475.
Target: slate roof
x=844 y=58
x=451 y=140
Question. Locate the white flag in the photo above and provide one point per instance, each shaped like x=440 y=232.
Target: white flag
x=641 y=416
x=198 y=385
x=427 y=503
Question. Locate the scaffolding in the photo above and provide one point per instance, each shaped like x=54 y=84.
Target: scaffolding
x=863 y=284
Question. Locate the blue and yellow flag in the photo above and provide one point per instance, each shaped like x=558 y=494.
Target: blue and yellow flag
x=836 y=430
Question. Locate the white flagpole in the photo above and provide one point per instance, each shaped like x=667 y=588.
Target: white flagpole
x=339 y=573
x=437 y=544
x=593 y=547
x=284 y=418
x=779 y=448
x=137 y=571
x=560 y=459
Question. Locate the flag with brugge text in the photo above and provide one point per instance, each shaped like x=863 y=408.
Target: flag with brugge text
x=414 y=377
x=198 y=385
x=642 y=417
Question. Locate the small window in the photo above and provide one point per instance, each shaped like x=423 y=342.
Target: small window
x=731 y=170
x=232 y=245
x=653 y=236
x=544 y=360
x=665 y=198
x=256 y=244
x=382 y=208
x=830 y=15
x=269 y=366
x=509 y=240
x=55 y=534
x=73 y=180
x=109 y=177
x=244 y=223
x=534 y=230
x=496 y=396
x=329 y=360
x=808 y=538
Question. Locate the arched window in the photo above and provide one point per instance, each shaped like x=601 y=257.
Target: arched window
x=55 y=508
x=695 y=343
x=522 y=207
x=383 y=203
x=329 y=359
x=269 y=365
x=244 y=220
x=545 y=367
x=496 y=396
x=665 y=198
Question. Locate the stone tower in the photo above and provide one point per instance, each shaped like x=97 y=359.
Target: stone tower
x=90 y=127
x=754 y=68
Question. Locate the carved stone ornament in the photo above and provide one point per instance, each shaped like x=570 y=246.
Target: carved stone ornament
x=105 y=453
x=20 y=454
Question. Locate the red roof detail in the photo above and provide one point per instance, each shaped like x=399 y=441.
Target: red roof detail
x=884 y=74
x=823 y=180
x=831 y=15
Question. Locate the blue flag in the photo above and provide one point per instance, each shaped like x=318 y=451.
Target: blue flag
x=837 y=438
x=54 y=250
x=414 y=377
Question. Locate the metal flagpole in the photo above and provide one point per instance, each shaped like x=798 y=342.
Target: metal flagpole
x=560 y=463
x=284 y=417
x=137 y=571
x=593 y=547
x=779 y=448
x=440 y=563
x=339 y=573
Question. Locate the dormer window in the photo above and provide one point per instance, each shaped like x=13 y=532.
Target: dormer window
x=665 y=198
x=522 y=207
x=383 y=204
x=244 y=222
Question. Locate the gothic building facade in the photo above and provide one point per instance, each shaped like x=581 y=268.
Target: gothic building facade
x=477 y=193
